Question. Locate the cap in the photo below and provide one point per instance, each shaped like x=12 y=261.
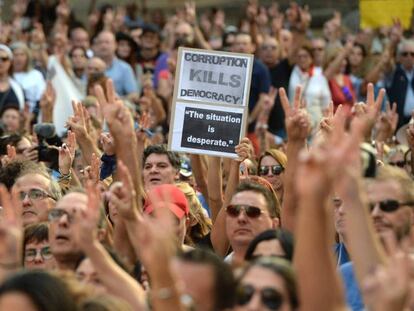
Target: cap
x=6 y=49
x=177 y=204
x=185 y=168
x=147 y=27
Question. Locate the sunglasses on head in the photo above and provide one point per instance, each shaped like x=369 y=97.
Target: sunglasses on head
x=264 y=170
x=389 y=206
x=405 y=54
x=270 y=297
x=251 y=211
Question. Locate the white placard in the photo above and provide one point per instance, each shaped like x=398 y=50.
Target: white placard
x=210 y=103
x=212 y=77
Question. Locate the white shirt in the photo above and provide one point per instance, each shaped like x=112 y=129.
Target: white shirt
x=315 y=90
x=33 y=85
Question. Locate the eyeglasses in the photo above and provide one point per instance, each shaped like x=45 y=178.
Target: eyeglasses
x=56 y=213
x=34 y=194
x=397 y=163
x=264 y=170
x=405 y=54
x=270 y=297
x=251 y=211
x=4 y=59
x=389 y=206
x=31 y=254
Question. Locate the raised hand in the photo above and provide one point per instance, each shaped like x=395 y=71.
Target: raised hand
x=369 y=112
x=325 y=162
x=92 y=172
x=143 y=128
x=67 y=154
x=86 y=220
x=122 y=194
x=77 y=122
x=108 y=144
x=11 y=230
x=11 y=155
x=387 y=123
x=156 y=235
x=115 y=113
x=47 y=102
x=190 y=12
x=297 y=121
x=378 y=294
x=244 y=149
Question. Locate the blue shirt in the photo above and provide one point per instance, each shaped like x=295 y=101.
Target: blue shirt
x=341 y=254
x=123 y=77
x=352 y=292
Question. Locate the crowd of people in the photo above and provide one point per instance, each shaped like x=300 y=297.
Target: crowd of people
x=316 y=212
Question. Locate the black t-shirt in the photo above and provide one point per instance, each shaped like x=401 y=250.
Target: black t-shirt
x=279 y=76
x=8 y=99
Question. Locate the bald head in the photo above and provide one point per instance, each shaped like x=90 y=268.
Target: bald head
x=106 y=46
x=95 y=65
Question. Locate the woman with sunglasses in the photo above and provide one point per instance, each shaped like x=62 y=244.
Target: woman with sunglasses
x=11 y=94
x=267 y=284
x=271 y=167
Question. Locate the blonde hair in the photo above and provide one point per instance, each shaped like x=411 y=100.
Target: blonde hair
x=276 y=154
x=204 y=224
x=388 y=173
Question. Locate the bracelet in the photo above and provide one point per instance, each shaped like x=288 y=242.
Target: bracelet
x=66 y=176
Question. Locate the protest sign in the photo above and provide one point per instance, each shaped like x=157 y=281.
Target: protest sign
x=206 y=129
x=377 y=13
x=210 y=102
x=213 y=77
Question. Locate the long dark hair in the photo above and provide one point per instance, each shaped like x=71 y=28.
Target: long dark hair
x=46 y=292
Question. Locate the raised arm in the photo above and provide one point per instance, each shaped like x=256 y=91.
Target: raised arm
x=153 y=241
x=298 y=129
x=77 y=124
x=121 y=126
x=117 y=281
x=215 y=186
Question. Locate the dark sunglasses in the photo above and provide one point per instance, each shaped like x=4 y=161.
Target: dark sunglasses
x=264 y=170
x=389 y=206
x=405 y=54
x=270 y=297
x=4 y=59
x=397 y=163
x=251 y=211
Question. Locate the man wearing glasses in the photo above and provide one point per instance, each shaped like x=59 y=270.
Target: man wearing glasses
x=61 y=231
x=390 y=198
x=252 y=210
x=37 y=194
